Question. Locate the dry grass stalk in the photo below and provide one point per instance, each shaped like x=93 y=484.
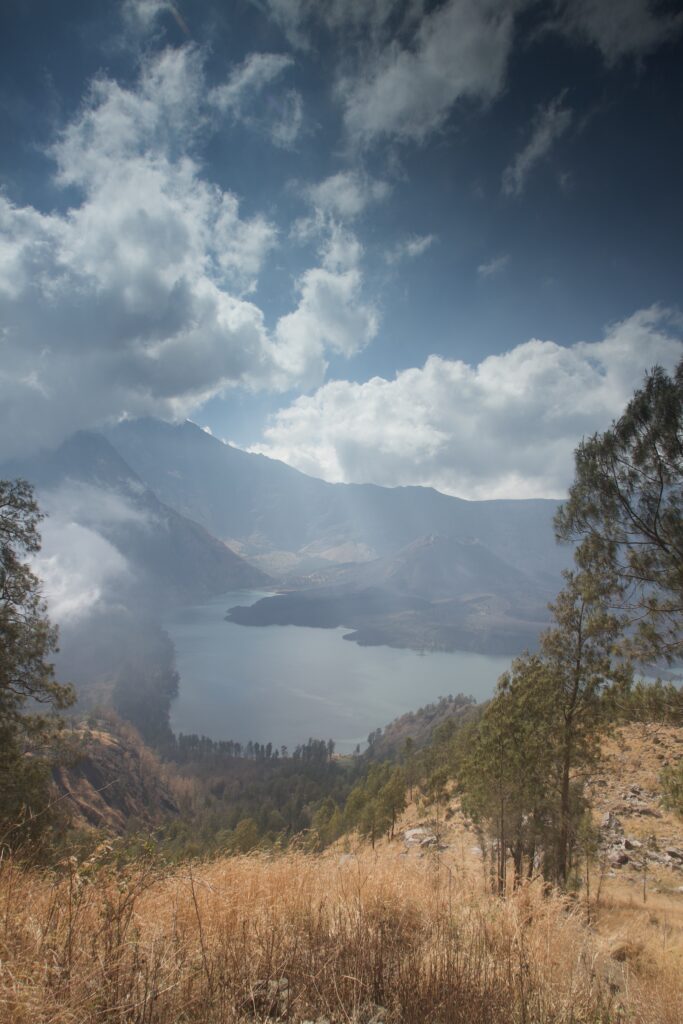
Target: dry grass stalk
x=300 y=937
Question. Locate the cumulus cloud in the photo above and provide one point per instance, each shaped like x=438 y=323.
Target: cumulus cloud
x=133 y=301
x=506 y=427
x=551 y=122
x=330 y=311
x=460 y=51
x=629 y=28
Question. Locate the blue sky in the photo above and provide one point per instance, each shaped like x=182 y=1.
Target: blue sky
x=401 y=242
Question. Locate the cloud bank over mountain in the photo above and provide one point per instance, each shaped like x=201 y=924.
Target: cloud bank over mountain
x=506 y=427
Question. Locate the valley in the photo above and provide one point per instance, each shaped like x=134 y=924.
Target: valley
x=153 y=525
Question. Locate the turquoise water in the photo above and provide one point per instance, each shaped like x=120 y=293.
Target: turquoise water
x=286 y=683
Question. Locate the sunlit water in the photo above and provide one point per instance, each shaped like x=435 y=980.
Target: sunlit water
x=286 y=683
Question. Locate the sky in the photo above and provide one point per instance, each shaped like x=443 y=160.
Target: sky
x=390 y=241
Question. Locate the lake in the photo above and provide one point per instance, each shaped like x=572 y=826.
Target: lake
x=287 y=683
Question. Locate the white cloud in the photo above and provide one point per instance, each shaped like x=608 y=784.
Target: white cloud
x=494 y=266
x=550 y=123
x=133 y=300
x=403 y=70
x=78 y=568
x=247 y=80
x=621 y=29
x=346 y=194
x=330 y=312
x=281 y=117
x=141 y=14
x=410 y=248
x=506 y=427
x=460 y=52
x=286 y=127
x=296 y=17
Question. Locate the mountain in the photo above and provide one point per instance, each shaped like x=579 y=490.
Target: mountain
x=282 y=517
x=438 y=593
x=405 y=566
x=86 y=482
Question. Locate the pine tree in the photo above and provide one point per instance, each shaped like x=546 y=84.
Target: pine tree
x=625 y=508
x=581 y=655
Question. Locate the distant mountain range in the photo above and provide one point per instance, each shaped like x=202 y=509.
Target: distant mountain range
x=274 y=513
x=407 y=566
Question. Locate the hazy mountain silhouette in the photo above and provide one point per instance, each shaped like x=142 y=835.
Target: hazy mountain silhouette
x=270 y=508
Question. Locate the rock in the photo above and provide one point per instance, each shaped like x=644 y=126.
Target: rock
x=676 y=854
x=632 y=844
x=272 y=997
x=418 y=836
x=611 y=822
x=619 y=859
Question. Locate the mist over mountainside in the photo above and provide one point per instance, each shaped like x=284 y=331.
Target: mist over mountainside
x=96 y=502
x=269 y=509
x=113 y=558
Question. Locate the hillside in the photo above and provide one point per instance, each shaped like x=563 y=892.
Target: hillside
x=113 y=782
x=407 y=933
x=418 y=726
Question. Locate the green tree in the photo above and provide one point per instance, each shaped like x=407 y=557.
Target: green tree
x=374 y=803
x=587 y=675
x=28 y=687
x=507 y=775
x=625 y=508
x=539 y=736
x=244 y=837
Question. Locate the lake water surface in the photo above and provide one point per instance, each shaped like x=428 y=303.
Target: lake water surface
x=287 y=683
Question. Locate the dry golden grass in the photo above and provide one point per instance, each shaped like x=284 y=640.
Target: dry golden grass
x=212 y=943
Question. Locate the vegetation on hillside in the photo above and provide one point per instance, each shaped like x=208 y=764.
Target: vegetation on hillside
x=27 y=678
x=370 y=938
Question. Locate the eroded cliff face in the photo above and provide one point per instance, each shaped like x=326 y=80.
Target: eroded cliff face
x=112 y=781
